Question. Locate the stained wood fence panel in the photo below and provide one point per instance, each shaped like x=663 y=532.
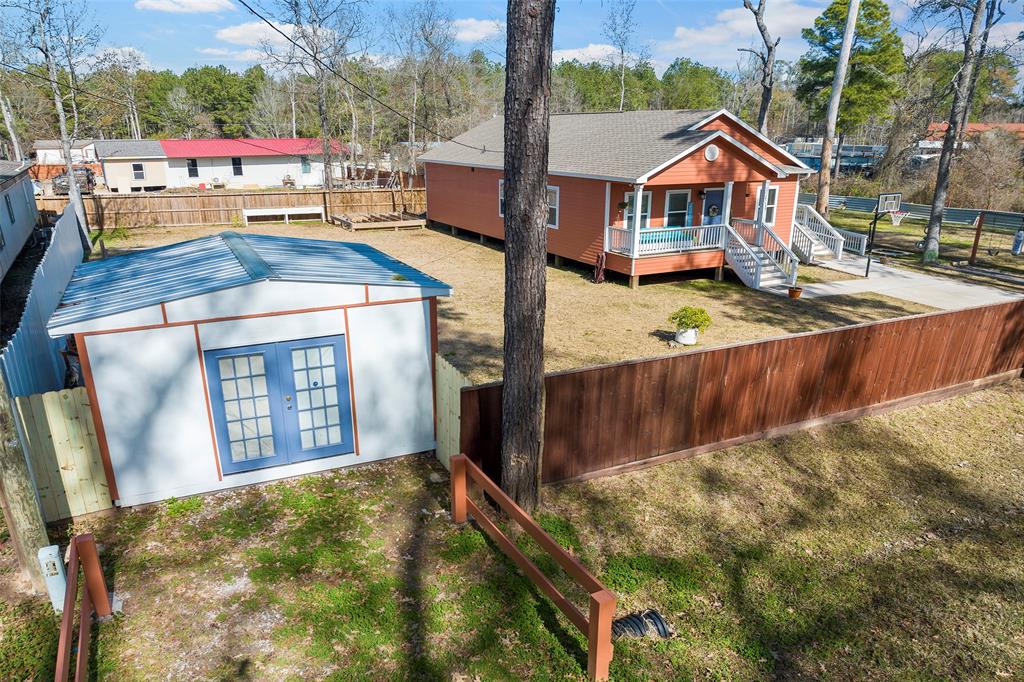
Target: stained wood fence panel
x=108 y=211
x=603 y=417
x=64 y=453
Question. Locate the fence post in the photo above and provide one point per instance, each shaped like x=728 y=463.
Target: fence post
x=458 y=478
x=602 y=609
x=90 y=560
x=977 y=237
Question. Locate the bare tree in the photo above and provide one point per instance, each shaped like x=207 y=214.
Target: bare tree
x=958 y=114
x=62 y=33
x=12 y=132
x=832 y=117
x=527 y=88
x=766 y=59
x=273 y=113
x=993 y=14
x=619 y=27
x=119 y=71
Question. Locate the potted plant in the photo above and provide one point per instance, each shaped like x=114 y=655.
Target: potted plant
x=794 y=292
x=689 y=322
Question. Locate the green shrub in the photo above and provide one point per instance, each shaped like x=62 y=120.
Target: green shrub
x=689 y=317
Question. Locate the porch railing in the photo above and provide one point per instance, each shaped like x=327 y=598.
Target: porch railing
x=803 y=242
x=831 y=238
x=742 y=258
x=853 y=241
x=661 y=240
x=766 y=242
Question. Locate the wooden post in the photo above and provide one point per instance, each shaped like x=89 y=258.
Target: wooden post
x=401 y=189
x=634 y=281
x=90 y=560
x=977 y=237
x=458 y=479
x=22 y=514
x=599 y=636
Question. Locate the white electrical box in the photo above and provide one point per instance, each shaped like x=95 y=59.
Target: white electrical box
x=52 y=564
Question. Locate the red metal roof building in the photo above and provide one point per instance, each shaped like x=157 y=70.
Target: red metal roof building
x=937 y=130
x=272 y=146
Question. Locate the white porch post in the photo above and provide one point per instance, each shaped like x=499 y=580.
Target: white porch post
x=762 y=208
x=726 y=209
x=638 y=205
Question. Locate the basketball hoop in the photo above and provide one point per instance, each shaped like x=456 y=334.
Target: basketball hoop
x=897 y=217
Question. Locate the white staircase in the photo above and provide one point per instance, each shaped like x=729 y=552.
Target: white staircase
x=758 y=257
x=814 y=239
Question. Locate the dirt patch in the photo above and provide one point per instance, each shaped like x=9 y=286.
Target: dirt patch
x=586 y=323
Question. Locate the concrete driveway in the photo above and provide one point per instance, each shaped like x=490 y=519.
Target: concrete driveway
x=939 y=292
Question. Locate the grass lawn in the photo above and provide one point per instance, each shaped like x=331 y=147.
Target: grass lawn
x=955 y=246
x=889 y=547
x=586 y=323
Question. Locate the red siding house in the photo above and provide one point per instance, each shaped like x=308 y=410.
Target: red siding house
x=712 y=192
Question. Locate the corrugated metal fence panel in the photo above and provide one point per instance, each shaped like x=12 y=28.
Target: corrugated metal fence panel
x=31 y=361
x=613 y=415
x=64 y=452
x=1003 y=220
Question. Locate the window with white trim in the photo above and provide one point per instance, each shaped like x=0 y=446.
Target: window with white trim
x=553 y=197
x=645 y=210
x=772 y=204
x=138 y=171
x=236 y=165
x=193 y=167
x=677 y=207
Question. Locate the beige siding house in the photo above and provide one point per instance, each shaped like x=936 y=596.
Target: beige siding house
x=132 y=165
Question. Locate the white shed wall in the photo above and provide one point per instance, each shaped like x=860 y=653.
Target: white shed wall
x=151 y=397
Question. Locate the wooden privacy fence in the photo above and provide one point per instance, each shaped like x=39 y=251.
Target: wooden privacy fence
x=598 y=625
x=64 y=453
x=94 y=598
x=623 y=416
x=225 y=208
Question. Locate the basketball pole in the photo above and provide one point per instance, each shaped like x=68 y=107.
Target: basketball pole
x=871 y=241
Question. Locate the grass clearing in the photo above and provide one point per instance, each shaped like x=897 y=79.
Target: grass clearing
x=889 y=547
x=587 y=323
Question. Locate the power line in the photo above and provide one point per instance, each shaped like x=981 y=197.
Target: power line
x=366 y=93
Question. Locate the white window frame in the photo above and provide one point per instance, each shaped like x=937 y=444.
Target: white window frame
x=240 y=167
x=627 y=223
x=774 y=207
x=190 y=166
x=141 y=170
x=689 y=204
x=557 y=206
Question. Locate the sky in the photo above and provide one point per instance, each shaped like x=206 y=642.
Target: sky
x=178 y=34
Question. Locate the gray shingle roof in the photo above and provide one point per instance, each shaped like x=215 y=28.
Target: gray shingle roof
x=57 y=144
x=10 y=169
x=129 y=149
x=614 y=145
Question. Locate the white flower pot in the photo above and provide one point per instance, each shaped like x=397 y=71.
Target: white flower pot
x=687 y=337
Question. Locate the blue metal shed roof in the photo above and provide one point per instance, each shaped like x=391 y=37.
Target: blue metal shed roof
x=229 y=259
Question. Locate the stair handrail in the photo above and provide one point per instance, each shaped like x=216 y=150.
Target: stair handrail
x=779 y=253
x=803 y=242
x=741 y=269
x=831 y=238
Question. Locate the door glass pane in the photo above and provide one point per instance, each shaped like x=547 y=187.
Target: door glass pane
x=316 y=390
x=246 y=406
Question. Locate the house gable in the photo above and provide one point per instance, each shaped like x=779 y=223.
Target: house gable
x=723 y=122
x=733 y=164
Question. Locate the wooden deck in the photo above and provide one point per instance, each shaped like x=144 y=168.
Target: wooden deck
x=379 y=221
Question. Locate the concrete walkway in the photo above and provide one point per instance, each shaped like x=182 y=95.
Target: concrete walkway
x=939 y=292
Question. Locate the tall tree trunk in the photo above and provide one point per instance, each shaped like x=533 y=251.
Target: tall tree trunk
x=961 y=103
x=993 y=14
x=527 y=92
x=824 y=175
x=5 y=107
x=74 y=193
x=622 y=80
x=839 y=156
x=767 y=63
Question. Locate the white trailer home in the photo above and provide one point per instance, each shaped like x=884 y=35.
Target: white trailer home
x=236 y=359
x=18 y=213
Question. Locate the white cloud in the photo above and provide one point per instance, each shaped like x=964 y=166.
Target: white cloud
x=716 y=43
x=594 y=52
x=475 y=30
x=254 y=34
x=249 y=55
x=186 y=6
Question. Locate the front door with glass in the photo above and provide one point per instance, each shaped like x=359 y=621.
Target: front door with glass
x=278 y=403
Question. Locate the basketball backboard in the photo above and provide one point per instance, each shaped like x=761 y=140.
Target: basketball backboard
x=887 y=203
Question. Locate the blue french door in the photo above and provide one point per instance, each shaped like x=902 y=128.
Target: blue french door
x=279 y=403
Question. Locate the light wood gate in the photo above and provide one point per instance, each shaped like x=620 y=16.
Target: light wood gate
x=449 y=385
x=64 y=453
